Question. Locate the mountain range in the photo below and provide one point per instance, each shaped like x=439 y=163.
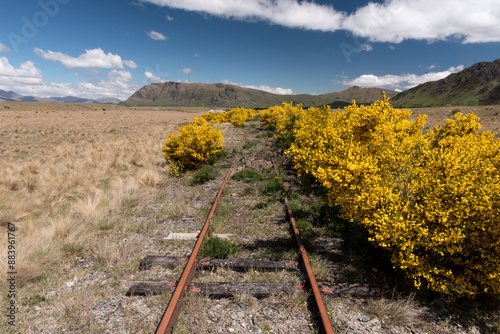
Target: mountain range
x=478 y=84
x=225 y=95
x=14 y=97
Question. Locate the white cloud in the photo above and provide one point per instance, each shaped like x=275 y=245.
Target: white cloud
x=130 y=63
x=153 y=78
x=274 y=90
x=289 y=13
x=90 y=90
x=26 y=74
x=391 y=21
x=94 y=59
x=196 y=55
x=397 y=20
x=169 y=18
x=269 y=89
x=366 y=47
x=120 y=76
x=28 y=80
x=157 y=36
x=404 y=81
x=3 y=48
x=186 y=71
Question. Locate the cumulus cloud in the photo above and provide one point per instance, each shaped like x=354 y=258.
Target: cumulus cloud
x=130 y=63
x=93 y=59
x=404 y=81
x=157 y=36
x=186 y=71
x=120 y=76
x=390 y=21
x=274 y=90
x=3 y=48
x=26 y=74
x=153 y=78
x=90 y=90
x=288 y=13
x=397 y=20
x=28 y=80
x=265 y=88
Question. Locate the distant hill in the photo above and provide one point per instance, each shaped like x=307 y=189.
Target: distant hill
x=12 y=96
x=170 y=94
x=475 y=85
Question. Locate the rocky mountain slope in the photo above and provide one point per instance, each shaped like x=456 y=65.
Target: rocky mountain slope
x=475 y=85
x=224 y=95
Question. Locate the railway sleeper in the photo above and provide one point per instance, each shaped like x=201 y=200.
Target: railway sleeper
x=237 y=264
x=219 y=290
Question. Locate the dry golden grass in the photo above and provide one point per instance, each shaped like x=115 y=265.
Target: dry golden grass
x=399 y=312
x=74 y=176
x=489 y=115
x=71 y=171
x=67 y=167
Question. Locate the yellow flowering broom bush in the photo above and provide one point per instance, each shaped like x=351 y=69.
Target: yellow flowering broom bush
x=216 y=117
x=282 y=118
x=236 y=117
x=460 y=203
x=196 y=143
x=431 y=200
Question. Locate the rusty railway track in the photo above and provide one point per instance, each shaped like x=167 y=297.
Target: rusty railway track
x=325 y=319
x=220 y=290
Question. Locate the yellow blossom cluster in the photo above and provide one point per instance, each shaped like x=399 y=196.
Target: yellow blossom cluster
x=282 y=118
x=431 y=200
x=196 y=143
x=236 y=117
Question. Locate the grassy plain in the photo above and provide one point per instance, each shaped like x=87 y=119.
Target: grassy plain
x=73 y=176
x=68 y=169
x=489 y=115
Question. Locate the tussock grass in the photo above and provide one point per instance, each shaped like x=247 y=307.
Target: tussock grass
x=398 y=312
x=71 y=182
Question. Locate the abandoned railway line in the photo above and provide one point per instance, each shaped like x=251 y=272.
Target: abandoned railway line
x=300 y=266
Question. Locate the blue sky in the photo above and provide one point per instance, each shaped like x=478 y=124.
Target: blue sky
x=112 y=48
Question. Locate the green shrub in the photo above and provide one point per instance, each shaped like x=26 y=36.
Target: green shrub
x=305 y=228
x=247 y=176
x=204 y=175
x=218 y=248
x=271 y=187
x=260 y=205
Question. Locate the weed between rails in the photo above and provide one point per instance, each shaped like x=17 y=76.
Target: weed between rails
x=218 y=248
x=205 y=174
x=248 y=176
